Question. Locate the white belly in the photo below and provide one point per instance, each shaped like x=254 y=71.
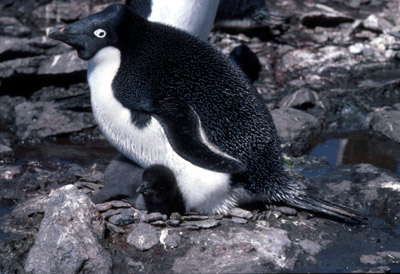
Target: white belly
x=195 y=17
x=203 y=190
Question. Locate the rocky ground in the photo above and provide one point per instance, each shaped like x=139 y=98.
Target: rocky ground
x=329 y=69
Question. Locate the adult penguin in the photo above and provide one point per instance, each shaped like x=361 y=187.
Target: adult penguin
x=195 y=17
x=162 y=96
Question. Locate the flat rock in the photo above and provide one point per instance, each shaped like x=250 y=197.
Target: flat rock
x=70 y=229
x=210 y=223
x=387 y=123
x=231 y=251
x=43 y=119
x=62 y=64
x=10 y=26
x=121 y=220
x=240 y=213
x=330 y=18
x=143 y=237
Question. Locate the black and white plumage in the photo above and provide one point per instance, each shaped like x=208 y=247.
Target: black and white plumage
x=162 y=96
x=195 y=17
x=160 y=191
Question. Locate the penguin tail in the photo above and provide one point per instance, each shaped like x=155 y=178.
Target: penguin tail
x=317 y=205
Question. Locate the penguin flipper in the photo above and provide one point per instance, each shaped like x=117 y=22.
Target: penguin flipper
x=183 y=128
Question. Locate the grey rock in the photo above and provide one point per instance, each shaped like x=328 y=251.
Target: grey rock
x=387 y=123
x=121 y=220
x=356 y=48
x=20 y=66
x=194 y=217
x=176 y=216
x=143 y=237
x=382 y=257
x=201 y=224
x=159 y=223
x=5 y=152
x=13 y=48
x=329 y=18
x=295 y=127
x=70 y=229
x=240 y=213
x=114 y=228
x=310 y=247
x=156 y=216
x=57 y=12
x=237 y=220
x=32 y=206
x=104 y=206
x=10 y=26
x=232 y=250
x=303 y=98
x=62 y=64
x=288 y=211
x=377 y=24
x=9 y=172
x=7 y=114
x=315 y=60
x=43 y=119
x=170 y=238
x=119 y=211
x=173 y=222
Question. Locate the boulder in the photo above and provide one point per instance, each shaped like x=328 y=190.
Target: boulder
x=387 y=123
x=69 y=237
x=43 y=119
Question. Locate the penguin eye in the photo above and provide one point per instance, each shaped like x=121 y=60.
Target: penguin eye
x=100 y=33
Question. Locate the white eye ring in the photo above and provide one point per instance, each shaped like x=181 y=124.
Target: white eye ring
x=100 y=33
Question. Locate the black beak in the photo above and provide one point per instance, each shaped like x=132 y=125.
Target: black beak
x=58 y=34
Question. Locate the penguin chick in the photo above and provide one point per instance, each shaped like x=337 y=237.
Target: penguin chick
x=163 y=96
x=160 y=191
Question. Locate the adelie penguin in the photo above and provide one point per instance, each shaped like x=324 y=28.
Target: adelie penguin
x=162 y=96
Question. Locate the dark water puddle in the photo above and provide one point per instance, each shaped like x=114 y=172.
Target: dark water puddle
x=358 y=148
x=6 y=206
x=65 y=151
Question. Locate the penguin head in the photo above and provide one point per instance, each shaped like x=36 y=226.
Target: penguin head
x=91 y=34
x=159 y=185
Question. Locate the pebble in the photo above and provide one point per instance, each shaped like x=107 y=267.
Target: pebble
x=159 y=223
x=170 y=239
x=210 y=223
x=104 y=206
x=288 y=211
x=195 y=217
x=114 y=228
x=237 y=220
x=240 y=213
x=172 y=222
x=119 y=204
x=121 y=220
x=357 y=48
x=143 y=237
x=152 y=217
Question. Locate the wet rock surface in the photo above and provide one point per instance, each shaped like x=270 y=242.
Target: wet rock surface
x=328 y=68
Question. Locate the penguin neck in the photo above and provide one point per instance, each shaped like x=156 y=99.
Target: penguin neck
x=195 y=17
